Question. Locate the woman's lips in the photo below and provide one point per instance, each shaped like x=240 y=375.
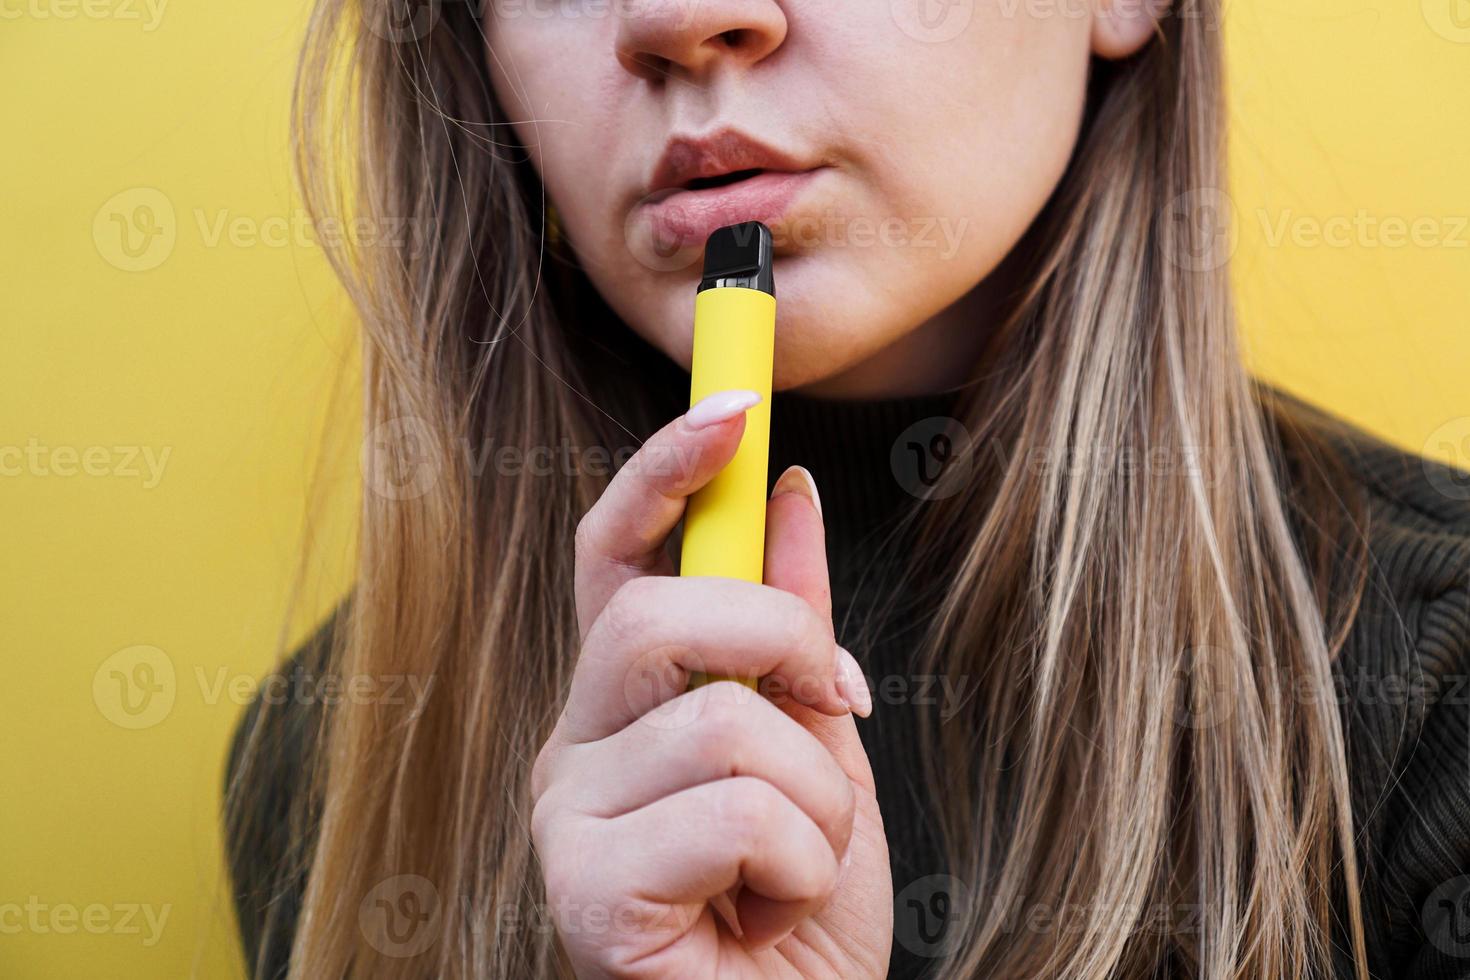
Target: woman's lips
x=686 y=218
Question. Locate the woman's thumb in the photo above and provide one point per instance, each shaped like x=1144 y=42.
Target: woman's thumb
x=796 y=542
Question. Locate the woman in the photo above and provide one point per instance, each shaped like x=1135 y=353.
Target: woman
x=1152 y=670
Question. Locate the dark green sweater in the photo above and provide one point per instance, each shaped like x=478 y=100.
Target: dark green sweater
x=1404 y=667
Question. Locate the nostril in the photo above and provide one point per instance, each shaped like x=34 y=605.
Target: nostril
x=650 y=67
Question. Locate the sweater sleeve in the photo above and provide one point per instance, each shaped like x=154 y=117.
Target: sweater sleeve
x=1427 y=867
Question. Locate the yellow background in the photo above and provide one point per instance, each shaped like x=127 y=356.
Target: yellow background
x=227 y=352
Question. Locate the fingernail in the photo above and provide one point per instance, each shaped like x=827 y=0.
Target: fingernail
x=722 y=406
x=852 y=687
x=798 y=480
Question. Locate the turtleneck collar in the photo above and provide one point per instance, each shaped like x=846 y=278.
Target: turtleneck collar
x=853 y=451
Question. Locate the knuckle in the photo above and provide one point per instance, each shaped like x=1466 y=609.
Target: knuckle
x=561 y=878
x=585 y=538
x=541 y=771
x=798 y=621
x=812 y=633
x=825 y=882
x=627 y=614
x=750 y=808
x=808 y=665
x=717 y=735
x=820 y=877
x=543 y=815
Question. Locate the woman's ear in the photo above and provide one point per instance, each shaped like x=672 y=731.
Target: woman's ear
x=1121 y=27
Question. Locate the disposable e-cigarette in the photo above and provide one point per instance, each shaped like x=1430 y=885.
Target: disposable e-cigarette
x=734 y=346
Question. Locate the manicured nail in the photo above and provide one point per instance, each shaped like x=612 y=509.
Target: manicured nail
x=852 y=687
x=798 y=480
x=722 y=406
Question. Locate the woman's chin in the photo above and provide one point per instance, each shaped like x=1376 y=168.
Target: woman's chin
x=800 y=370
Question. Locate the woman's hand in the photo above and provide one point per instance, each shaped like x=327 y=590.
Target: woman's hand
x=711 y=833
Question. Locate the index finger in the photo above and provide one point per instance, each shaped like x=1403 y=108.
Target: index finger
x=623 y=536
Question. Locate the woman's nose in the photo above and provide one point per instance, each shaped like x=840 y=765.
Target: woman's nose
x=690 y=38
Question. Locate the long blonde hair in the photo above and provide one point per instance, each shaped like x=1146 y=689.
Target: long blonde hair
x=1129 y=591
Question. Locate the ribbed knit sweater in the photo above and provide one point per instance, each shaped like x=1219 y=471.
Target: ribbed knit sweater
x=1405 y=668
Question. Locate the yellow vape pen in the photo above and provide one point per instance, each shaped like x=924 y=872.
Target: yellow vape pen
x=734 y=348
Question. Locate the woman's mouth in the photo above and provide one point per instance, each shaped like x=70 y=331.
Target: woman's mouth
x=703 y=184
x=686 y=217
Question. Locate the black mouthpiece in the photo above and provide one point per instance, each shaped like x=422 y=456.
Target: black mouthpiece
x=739 y=255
